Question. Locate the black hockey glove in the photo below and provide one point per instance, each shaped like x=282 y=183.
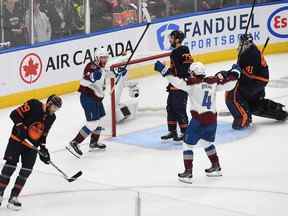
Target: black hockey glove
x=44 y=154
x=21 y=131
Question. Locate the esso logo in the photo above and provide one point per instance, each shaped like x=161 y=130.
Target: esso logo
x=278 y=23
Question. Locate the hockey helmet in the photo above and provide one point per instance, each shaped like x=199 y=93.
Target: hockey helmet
x=100 y=53
x=54 y=103
x=198 y=69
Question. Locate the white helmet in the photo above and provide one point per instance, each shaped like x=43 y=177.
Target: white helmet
x=198 y=69
x=100 y=52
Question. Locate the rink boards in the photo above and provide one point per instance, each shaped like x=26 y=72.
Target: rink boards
x=57 y=66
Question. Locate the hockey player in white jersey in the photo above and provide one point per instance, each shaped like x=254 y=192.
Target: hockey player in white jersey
x=202 y=128
x=92 y=92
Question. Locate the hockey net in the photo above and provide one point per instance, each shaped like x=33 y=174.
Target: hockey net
x=140 y=66
x=152 y=100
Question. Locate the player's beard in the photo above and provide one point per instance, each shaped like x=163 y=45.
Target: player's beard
x=173 y=45
x=102 y=63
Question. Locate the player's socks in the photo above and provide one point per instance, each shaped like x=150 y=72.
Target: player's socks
x=187 y=175
x=14 y=204
x=6 y=173
x=215 y=169
x=20 y=181
x=1 y=199
x=82 y=135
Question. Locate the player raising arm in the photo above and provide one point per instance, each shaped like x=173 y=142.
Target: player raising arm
x=92 y=92
x=202 y=128
x=32 y=121
x=181 y=60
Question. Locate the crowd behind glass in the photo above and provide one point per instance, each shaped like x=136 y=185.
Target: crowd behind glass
x=25 y=22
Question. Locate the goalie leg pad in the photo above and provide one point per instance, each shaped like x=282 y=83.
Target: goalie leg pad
x=269 y=109
x=238 y=108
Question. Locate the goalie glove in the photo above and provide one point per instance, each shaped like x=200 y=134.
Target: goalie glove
x=161 y=68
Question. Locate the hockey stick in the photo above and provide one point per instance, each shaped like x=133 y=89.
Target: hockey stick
x=265 y=45
x=130 y=57
x=247 y=27
x=28 y=144
x=148 y=18
x=69 y=179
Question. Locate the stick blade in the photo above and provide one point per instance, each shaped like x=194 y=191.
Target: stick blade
x=75 y=177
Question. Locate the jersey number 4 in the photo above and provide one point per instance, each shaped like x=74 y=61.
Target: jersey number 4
x=207 y=100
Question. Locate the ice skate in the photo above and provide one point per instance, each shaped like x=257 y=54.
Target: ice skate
x=186 y=176
x=170 y=136
x=96 y=147
x=74 y=149
x=14 y=204
x=213 y=171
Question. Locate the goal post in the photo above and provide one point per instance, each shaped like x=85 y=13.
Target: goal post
x=140 y=63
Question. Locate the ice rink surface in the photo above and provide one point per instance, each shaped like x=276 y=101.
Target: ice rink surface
x=255 y=172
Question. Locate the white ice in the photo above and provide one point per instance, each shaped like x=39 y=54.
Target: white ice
x=255 y=173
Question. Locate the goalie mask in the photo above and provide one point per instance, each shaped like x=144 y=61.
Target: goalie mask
x=245 y=40
x=101 y=57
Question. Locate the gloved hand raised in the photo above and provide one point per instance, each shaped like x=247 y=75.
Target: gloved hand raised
x=161 y=68
x=121 y=71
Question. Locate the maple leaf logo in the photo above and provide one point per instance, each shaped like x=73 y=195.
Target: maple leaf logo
x=31 y=68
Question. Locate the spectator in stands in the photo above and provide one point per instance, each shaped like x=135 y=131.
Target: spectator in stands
x=212 y=4
x=125 y=13
x=182 y=6
x=13 y=23
x=59 y=18
x=101 y=14
x=77 y=17
x=204 y=6
x=158 y=9
x=42 y=26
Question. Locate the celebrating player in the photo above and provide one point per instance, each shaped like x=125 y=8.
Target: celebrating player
x=177 y=99
x=202 y=127
x=32 y=121
x=248 y=97
x=92 y=91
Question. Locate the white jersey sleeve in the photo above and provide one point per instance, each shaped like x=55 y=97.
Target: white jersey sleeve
x=178 y=83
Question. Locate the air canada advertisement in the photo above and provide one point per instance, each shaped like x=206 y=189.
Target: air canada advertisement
x=213 y=31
